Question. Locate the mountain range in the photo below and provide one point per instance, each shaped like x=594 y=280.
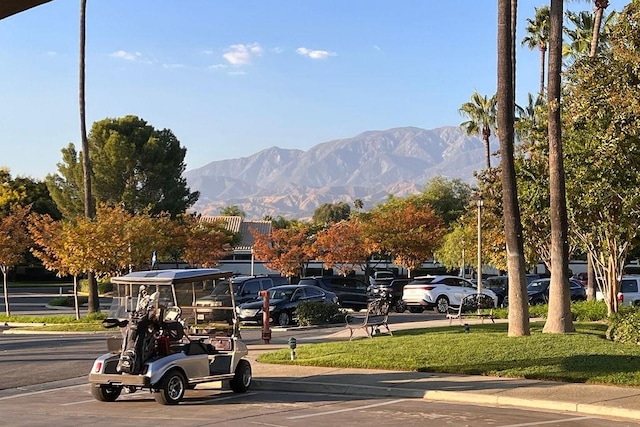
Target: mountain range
x=370 y=166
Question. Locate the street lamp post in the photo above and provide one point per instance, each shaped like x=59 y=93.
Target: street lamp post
x=480 y=203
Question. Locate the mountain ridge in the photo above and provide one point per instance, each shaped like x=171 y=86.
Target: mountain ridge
x=369 y=166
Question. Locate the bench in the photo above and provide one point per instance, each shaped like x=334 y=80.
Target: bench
x=472 y=305
x=375 y=316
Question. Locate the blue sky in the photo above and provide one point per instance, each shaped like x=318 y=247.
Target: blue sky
x=231 y=78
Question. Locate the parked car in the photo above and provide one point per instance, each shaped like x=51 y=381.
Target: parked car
x=500 y=285
x=245 y=289
x=381 y=277
x=439 y=292
x=392 y=290
x=538 y=291
x=351 y=292
x=629 y=291
x=283 y=302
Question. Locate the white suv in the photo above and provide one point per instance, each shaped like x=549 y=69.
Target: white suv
x=439 y=292
x=629 y=291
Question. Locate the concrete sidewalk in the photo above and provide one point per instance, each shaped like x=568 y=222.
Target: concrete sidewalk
x=601 y=400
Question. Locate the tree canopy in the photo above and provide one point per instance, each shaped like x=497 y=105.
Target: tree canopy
x=133 y=165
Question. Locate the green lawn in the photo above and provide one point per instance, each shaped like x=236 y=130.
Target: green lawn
x=583 y=357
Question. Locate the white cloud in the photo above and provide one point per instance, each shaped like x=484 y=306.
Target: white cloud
x=123 y=54
x=242 y=54
x=314 y=54
x=277 y=50
x=173 y=65
x=376 y=47
x=207 y=52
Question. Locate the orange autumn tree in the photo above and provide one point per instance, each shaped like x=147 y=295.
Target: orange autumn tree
x=286 y=250
x=407 y=229
x=14 y=241
x=206 y=243
x=343 y=244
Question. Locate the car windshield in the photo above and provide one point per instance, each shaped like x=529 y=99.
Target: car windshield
x=538 y=285
x=281 y=293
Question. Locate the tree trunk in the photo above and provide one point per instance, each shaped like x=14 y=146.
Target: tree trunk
x=559 y=316
x=543 y=54
x=487 y=148
x=86 y=163
x=5 y=271
x=76 y=304
x=601 y=5
x=591 y=278
x=518 y=301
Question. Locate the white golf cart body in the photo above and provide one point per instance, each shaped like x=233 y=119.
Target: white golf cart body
x=156 y=351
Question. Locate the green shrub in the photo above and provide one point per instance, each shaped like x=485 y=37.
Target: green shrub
x=104 y=286
x=319 y=313
x=67 y=301
x=624 y=326
x=581 y=311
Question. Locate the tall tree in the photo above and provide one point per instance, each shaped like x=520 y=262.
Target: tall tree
x=343 y=244
x=559 y=318
x=538 y=37
x=286 y=250
x=94 y=303
x=448 y=197
x=518 y=301
x=481 y=112
x=133 y=165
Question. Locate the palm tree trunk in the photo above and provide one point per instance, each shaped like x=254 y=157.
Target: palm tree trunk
x=601 y=5
x=518 y=301
x=487 y=148
x=86 y=163
x=543 y=54
x=559 y=317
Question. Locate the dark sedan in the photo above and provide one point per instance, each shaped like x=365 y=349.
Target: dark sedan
x=283 y=301
x=538 y=291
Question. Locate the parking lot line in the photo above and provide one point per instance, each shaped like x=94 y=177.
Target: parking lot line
x=337 y=411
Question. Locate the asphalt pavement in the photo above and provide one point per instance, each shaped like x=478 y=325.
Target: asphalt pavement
x=609 y=401
x=603 y=400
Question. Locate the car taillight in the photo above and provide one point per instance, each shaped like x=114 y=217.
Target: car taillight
x=97 y=367
x=427 y=288
x=621 y=297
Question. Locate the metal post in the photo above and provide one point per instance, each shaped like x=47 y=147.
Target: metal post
x=266 y=329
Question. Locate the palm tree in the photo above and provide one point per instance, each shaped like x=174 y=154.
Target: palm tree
x=559 y=316
x=538 y=37
x=601 y=5
x=481 y=112
x=580 y=34
x=94 y=303
x=518 y=306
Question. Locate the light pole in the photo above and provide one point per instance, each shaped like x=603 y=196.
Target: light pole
x=480 y=203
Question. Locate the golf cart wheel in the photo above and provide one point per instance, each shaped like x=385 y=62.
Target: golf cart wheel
x=416 y=309
x=105 y=392
x=442 y=304
x=171 y=388
x=242 y=377
x=284 y=319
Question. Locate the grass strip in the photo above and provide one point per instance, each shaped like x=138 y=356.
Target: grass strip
x=581 y=357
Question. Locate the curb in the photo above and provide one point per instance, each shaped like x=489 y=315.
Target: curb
x=443 y=396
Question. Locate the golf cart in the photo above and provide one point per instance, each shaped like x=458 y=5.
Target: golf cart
x=156 y=349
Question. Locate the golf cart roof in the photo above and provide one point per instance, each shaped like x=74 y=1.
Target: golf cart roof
x=174 y=276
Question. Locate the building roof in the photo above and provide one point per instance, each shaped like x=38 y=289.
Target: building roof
x=237 y=224
x=11 y=7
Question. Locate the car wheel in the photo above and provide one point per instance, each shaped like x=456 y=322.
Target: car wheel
x=172 y=388
x=442 y=304
x=416 y=309
x=242 y=377
x=105 y=393
x=400 y=306
x=284 y=319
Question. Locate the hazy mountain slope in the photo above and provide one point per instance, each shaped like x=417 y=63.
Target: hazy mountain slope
x=369 y=166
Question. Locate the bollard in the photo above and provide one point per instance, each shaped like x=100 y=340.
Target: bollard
x=266 y=328
x=292 y=346
x=466 y=328
x=60 y=290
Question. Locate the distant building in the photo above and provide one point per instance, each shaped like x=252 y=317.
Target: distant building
x=241 y=261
